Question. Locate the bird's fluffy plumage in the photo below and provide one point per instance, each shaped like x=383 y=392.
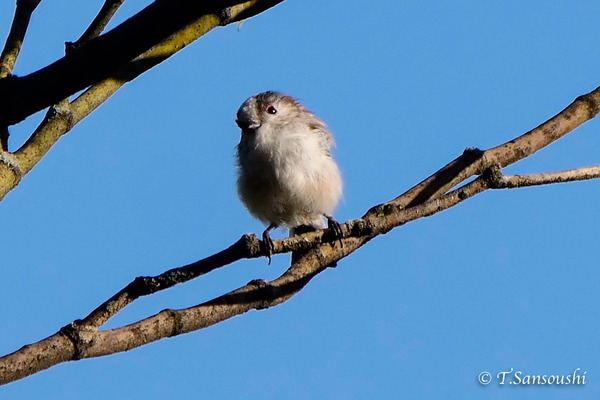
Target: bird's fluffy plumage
x=286 y=176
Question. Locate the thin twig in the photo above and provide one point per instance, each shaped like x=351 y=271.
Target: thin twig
x=108 y=10
x=500 y=181
x=14 y=41
x=247 y=246
x=583 y=109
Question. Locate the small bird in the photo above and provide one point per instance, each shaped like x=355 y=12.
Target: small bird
x=286 y=176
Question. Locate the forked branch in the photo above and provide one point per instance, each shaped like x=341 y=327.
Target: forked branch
x=108 y=10
x=82 y=339
x=62 y=117
x=102 y=57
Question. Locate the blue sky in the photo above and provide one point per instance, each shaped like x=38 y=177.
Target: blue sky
x=508 y=279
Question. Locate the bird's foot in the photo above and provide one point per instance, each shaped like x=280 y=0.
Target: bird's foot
x=335 y=228
x=268 y=246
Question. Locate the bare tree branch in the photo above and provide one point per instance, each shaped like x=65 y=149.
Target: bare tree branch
x=500 y=181
x=14 y=41
x=108 y=10
x=102 y=57
x=82 y=339
x=62 y=117
x=12 y=48
x=247 y=246
x=472 y=163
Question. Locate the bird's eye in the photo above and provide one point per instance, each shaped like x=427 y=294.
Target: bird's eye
x=270 y=109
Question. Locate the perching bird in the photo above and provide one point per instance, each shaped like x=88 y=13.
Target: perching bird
x=286 y=176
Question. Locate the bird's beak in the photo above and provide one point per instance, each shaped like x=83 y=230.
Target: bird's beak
x=247 y=125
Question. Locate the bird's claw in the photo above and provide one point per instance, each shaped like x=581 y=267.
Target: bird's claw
x=268 y=245
x=335 y=228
